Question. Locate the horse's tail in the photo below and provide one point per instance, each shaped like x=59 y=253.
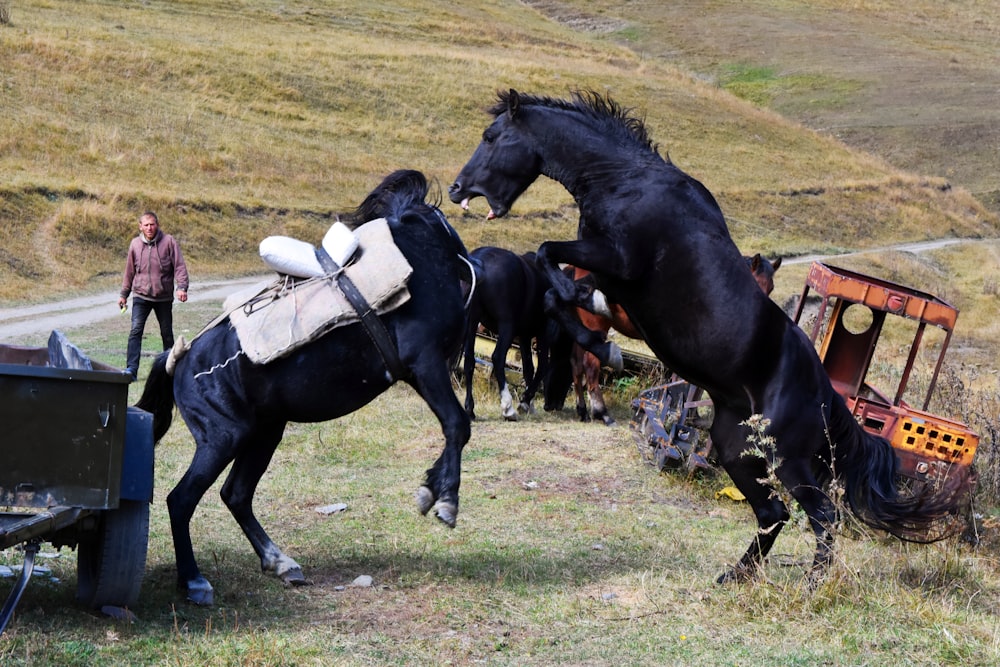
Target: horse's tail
x=867 y=465
x=158 y=397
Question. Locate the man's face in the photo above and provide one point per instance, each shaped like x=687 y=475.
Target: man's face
x=148 y=227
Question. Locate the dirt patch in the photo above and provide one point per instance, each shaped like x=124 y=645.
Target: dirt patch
x=576 y=18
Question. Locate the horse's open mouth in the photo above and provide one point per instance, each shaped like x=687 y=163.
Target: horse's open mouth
x=462 y=196
x=493 y=208
x=465 y=207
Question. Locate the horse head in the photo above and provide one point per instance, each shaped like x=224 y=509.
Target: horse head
x=763 y=271
x=503 y=165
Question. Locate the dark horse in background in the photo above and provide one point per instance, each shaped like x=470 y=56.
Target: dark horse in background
x=237 y=411
x=585 y=369
x=509 y=300
x=657 y=243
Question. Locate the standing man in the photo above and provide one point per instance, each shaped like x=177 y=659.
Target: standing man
x=153 y=265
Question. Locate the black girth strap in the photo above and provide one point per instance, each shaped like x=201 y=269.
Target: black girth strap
x=373 y=325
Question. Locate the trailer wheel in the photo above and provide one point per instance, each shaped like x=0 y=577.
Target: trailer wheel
x=111 y=561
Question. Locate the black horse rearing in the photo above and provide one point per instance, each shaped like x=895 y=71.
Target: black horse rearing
x=237 y=411
x=657 y=243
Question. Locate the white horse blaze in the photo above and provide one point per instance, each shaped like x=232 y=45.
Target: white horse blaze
x=600 y=304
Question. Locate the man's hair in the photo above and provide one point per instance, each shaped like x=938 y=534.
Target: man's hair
x=149 y=214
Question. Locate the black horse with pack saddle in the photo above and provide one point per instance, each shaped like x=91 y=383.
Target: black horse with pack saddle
x=239 y=382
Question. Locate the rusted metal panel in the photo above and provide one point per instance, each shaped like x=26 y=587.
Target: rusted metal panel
x=927 y=445
x=881 y=295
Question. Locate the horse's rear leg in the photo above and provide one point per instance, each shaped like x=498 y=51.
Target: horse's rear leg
x=580 y=382
x=771 y=515
x=505 y=338
x=207 y=464
x=238 y=492
x=440 y=489
x=528 y=373
x=469 y=349
x=747 y=470
x=597 y=405
x=797 y=476
x=533 y=379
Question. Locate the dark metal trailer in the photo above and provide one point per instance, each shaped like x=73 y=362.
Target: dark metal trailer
x=76 y=470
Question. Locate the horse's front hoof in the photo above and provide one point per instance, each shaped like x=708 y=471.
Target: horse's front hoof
x=425 y=499
x=446 y=512
x=200 y=592
x=512 y=417
x=817 y=574
x=289 y=572
x=294 y=577
x=526 y=408
x=736 y=575
x=609 y=421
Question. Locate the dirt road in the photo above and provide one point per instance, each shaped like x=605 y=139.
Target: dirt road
x=16 y=323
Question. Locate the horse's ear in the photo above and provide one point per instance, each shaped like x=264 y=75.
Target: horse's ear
x=513 y=103
x=755 y=263
x=776 y=263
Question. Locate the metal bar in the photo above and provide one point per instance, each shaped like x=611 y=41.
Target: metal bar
x=30 y=549
x=908 y=368
x=819 y=319
x=15 y=529
x=801 y=304
x=937 y=369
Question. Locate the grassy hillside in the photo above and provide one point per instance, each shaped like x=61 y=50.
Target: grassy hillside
x=240 y=119
x=237 y=120
x=914 y=81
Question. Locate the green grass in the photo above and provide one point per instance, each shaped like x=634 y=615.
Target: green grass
x=569 y=549
x=764 y=86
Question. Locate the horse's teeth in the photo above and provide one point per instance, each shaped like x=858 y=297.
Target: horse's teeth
x=465 y=204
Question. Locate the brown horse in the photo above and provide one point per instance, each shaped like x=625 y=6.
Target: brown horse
x=586 y=368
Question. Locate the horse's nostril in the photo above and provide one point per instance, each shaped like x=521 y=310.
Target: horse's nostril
x=454 y=187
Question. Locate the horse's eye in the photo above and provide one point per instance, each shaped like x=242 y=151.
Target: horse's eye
x=488 y=137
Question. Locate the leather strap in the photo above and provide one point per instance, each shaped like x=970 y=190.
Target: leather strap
x=373 y=325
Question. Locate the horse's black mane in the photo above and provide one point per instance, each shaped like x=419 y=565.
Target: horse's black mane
x=403 y=189
x=593 y=104
x=399 y=188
